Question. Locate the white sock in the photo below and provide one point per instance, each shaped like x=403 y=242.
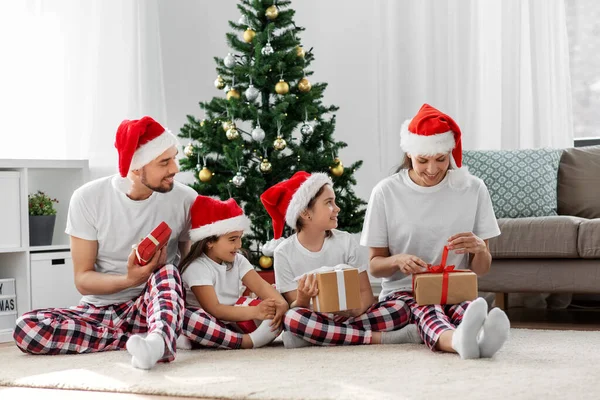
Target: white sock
x=263 y=334
x=146 y=352
x=183 y=343
x=408 y=334
x=464 y=339
x=291 y=341
x=494 y=333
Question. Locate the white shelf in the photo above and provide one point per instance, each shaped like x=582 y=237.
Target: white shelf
x=54 y=247
x=13 y=250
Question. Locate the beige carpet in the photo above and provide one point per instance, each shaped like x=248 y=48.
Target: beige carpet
x=534 y=364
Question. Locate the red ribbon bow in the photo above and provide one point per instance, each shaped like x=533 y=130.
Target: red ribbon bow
x=440 y=269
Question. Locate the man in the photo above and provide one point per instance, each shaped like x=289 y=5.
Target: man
x=122 y=300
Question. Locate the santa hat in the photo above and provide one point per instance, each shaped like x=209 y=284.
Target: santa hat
x=286 y=200
x=213 y=217
x=432 y=132
x=140 y=141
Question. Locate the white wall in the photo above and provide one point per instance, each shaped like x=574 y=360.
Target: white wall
x=344 y=42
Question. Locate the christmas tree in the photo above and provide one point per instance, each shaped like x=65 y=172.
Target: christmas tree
x=269 y=123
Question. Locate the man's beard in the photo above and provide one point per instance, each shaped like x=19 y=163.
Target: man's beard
x=159 y=189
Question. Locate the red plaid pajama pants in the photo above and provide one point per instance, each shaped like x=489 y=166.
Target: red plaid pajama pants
x=207 y=331
x=86 y=328
x=326 y=329
x=432 y=320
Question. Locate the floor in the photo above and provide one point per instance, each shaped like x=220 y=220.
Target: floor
x=571 y=319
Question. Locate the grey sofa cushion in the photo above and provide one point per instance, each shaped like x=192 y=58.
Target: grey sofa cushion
x=588 y=243
x=537 y=237
x=579 y=182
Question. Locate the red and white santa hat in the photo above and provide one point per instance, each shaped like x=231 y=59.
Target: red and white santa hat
x=286 y=200
x=214 y=217
x=140 y=141
x=432 y=132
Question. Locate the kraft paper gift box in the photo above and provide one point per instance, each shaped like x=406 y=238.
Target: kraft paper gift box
x=152 y=243
x=442 y=284
x=339 y=289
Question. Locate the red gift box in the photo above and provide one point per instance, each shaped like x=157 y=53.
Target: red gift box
x=152 y=243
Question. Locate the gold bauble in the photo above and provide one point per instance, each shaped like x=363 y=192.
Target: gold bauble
x=279 y=143
x=202 y=122
x=265 y=262
x=300 y=51
x=233 y=93
x=228 y=125
x=249 y=35
x=219 y=83
x=338 y=168
x=188 y=150
x=205 y=175
x=304 y=85
x=272 y=12
x=282 y=87
x=232 y=133
x=265 y=166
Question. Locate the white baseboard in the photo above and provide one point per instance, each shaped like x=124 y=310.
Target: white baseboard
x=6 y=335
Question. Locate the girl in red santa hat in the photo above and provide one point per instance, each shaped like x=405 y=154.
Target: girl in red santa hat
x=214 y=274
x=432 y=202
x=307 y=204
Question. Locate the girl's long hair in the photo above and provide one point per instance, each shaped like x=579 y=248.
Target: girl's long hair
x=196 y=251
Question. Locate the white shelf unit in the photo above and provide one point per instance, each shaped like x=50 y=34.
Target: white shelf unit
x=58 y=179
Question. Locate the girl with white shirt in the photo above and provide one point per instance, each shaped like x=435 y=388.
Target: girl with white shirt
x=307 y=204
x=430 y=203
x=214 y=275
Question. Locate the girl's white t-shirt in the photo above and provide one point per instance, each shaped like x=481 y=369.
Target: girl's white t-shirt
x=291 y=259
x=225 y=278
x=411 y=219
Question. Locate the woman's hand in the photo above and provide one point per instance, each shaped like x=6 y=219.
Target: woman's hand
x=467 y=242
x=409 y=264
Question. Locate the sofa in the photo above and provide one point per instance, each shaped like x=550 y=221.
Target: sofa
x=551 y=242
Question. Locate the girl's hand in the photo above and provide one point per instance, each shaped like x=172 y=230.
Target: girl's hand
x=307 y=289
x=265 y=310
x=281 y=306
x=466 y=242
x=409 y=264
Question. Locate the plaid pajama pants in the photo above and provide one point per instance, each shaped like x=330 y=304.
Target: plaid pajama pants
x=207 y=331
x=326 y=329
x=86 y=328
x=433 y=320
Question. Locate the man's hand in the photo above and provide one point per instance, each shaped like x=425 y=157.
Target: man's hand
x=138 y=274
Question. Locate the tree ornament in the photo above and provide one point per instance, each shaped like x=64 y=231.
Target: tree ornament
x=272 y=12
x=203 y=122
x=205 y=175
x=238 y=180
x=227 y=125
x=188 y=150
x=338 y=168
x=229 y=61
x=249 y=35
x=265 y=262
x=304 y=85
x=233 y=93
x=300 y=51
x=282 y=87
x=252 y=93
x=258 y=134
x=267 y=50
x=265 y=166
x=219 y=82
x=279 y=143
x=232 y=133
x=306 y=129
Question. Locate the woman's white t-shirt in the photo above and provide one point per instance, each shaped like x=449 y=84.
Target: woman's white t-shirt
x=411 y=219
x=291 y=259
x=225 y=278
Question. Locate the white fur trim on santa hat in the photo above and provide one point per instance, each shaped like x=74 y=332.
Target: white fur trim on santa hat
x=268 y=249
x=415 y=144
x=239 y=223
x=303 y=196
x=154 y=148
x=458 y=178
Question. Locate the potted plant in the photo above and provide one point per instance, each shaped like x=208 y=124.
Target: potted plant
x=42 y=216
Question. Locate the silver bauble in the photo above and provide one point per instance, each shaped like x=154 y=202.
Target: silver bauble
x=306 y=129
x=258 y=134
x=252 y=93
x=229 y=61
x=188 y=150
x=238 y=180
x=267 y=50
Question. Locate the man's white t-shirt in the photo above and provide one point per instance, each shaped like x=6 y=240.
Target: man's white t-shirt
x=101 y=211
x=411 y=219
x=291 y=259
x=225 y=278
